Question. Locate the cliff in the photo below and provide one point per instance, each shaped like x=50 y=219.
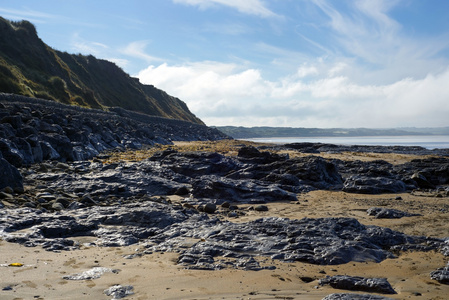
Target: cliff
x=31 y=68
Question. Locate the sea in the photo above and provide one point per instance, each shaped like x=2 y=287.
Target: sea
x=425 y=141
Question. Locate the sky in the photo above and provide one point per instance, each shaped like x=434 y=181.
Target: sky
x=289 y=63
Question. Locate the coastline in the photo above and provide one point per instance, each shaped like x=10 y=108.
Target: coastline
x=426 y=141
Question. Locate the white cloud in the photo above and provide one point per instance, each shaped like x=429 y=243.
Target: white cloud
x=223 y=94
x=251 y=7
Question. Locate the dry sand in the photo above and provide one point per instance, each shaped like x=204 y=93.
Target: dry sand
x=156 y=276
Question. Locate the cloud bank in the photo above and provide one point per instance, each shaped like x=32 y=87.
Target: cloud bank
x=314 y=96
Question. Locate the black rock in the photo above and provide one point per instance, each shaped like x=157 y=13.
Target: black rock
x=373 y=285
x=441 y=275
x=347 y=296
x=388 y=213
x=261 y=208
x=373 y=185
x=210 y=208
x=422 y=181
x=9 y=176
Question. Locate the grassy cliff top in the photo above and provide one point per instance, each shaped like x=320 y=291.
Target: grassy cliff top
x=30 y=67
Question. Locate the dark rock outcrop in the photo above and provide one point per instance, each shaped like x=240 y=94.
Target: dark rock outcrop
x=35 y=130
x=165 y=227
x=349 y=296
x=318 y=241
x=372 y=285
x=388 y=213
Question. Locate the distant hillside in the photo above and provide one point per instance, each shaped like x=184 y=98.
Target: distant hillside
x=266 y=132
x=29 y=67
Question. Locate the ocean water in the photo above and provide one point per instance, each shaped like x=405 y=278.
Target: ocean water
x=426 y=141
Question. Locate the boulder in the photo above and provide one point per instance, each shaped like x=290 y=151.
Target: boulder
x=441 y=275
x=9 y=176
x=421 y=181
x=118 y=291
x=11 y=153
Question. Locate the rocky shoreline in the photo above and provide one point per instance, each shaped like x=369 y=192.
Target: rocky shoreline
x=65 y=186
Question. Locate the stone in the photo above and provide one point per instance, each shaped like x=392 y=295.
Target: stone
x=8 y=190
x=57 y=206
x=93 y=273
x=261 y=208
x=209 y=208
x=119 y=291
x=441 y=275
x=11 y=153
x=9 y=175
x=347 y=296
x=388 y=213
x=4 y=195
x=182 y=191
x=422 y=181
x=355 y=283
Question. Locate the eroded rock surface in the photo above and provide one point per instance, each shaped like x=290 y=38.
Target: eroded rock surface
x=388 y=213
x=119 y=291
x=350 y=296
x=356 y=283
x=441 y=275
x=200 y=239
x=93 y=273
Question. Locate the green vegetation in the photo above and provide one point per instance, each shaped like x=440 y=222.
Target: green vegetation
x=31 y=68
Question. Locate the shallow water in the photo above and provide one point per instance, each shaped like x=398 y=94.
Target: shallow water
x=426 y=141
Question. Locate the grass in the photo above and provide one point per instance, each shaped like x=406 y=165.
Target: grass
x=29 y=67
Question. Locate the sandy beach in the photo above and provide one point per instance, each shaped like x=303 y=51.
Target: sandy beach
x=157 y=276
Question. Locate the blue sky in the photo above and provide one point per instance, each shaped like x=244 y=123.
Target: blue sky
x=297 y=63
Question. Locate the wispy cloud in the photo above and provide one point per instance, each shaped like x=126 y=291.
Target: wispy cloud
x=137 y=49
x=228 y=28
x=81 y=45
x=26 y=14
x=251 y=7
x=367 y=31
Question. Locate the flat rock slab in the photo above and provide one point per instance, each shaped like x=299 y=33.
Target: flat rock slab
x=373 y=285
x=166 y=228
x=348 y=296
x=93 y=273
x=388 y=213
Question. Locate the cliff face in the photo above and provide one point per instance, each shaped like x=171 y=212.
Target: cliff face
x=30 y=67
